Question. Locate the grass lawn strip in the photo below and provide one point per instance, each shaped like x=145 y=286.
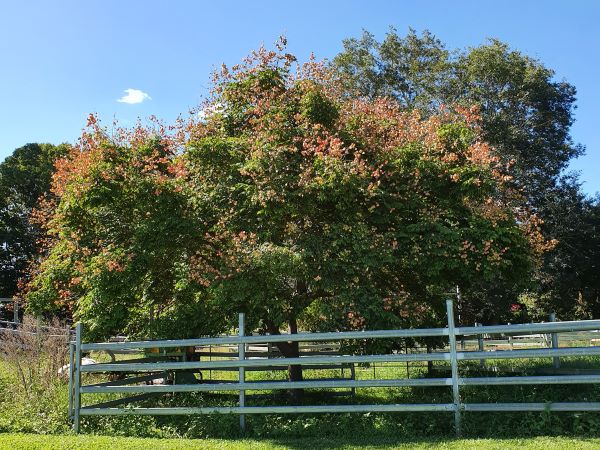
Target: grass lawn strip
x=68 y=442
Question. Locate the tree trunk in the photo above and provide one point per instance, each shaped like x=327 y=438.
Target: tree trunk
x=292 y=350
x=429 y=363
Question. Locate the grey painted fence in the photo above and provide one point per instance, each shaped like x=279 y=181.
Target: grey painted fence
x=158 y=369
x=15 y=304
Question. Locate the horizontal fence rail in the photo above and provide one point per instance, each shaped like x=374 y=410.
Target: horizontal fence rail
x=304 y=361
x=266 y=409
x=273 y=338
x=545 y=327
x=269 y=385
x=161 y=367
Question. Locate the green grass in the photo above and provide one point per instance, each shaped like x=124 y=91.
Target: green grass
x=64 y=442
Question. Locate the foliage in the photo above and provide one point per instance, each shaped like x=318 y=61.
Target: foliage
x=414 y=70
x=525 y=114
x=121 y=235
x=526 y=117
x=24 y=178
x=342 y=213
x=284 y=199
x=569 y=282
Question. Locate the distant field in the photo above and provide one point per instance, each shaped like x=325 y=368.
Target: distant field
x=28 y=441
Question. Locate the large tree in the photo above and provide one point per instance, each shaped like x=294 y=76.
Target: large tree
x=525 y=113
x=354 y=213
x=347 y=214
x=24 y=178
x=284 y=199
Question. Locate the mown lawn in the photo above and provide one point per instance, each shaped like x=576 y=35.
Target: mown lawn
x=30 y=441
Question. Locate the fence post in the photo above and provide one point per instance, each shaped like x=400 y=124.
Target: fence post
x=242 y=370
x=77 y=378
x=15 y=311
x=556 y=359
x=71 y=368
x=480 y=345
x=454 y=366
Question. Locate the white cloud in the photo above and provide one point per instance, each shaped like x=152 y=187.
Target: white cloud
x=134 y=96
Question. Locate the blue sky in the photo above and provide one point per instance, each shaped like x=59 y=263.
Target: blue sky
x=61 y=60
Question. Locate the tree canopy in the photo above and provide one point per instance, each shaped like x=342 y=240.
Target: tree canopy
x=526 y=116
x=285 y=199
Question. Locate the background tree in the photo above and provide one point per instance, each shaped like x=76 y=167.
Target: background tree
x=569 y=281
x=526 y=116
x=414 y=70
x=24 y=177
